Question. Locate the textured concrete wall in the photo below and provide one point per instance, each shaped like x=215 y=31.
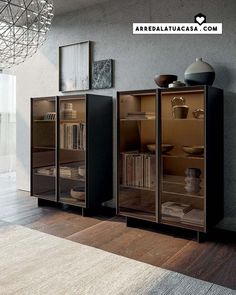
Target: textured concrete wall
x=137 y=59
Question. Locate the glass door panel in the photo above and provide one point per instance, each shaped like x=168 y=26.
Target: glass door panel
x=182 y=159
x=137 y=166
x=44 y=148
x=72 y=154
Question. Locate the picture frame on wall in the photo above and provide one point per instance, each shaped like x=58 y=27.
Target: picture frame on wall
x=74 y=67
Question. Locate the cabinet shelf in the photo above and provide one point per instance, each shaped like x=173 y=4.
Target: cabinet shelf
x=184 y=156
x=141 y=119
x=138 y=188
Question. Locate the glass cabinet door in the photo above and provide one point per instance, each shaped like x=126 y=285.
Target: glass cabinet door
x=137 y=158
x=182 y=180
x=72 y=152
x=43 y=148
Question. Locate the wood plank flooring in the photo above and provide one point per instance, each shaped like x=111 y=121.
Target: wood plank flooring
x=213 y=261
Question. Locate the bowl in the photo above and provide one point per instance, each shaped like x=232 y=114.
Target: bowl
x=193 y=150
x=82 y=171
x=78 y=193
x=164 y=80
x=151 y=148
x=165 y=147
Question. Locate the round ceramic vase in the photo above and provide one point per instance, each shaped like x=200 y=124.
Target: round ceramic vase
x=199 y=73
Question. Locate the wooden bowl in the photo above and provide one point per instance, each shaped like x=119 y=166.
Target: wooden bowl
x=166 y=147
x=194 y=150
x=151 y=148
x=165 y=80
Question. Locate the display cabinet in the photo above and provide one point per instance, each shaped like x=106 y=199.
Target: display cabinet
x=180 y=132
x=71 y=150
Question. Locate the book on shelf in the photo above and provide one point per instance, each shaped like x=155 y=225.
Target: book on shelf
x=138 y=169
x=73 y=136
x=174 y=209
x=140 y=115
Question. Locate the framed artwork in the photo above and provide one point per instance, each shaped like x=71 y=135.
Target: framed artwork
x=102 y=75
x=74 y=67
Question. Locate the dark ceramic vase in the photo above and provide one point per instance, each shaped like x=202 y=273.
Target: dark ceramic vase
x=199 y=73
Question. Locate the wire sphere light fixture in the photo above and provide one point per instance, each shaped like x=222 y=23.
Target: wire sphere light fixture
x=23 y=28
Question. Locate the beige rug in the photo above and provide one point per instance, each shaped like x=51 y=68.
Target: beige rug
x=33 y=263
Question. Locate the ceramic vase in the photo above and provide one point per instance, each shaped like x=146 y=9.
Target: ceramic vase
x=199 y=73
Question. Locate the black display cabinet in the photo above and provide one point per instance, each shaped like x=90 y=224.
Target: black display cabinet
x=71 y=150
x=170 y=158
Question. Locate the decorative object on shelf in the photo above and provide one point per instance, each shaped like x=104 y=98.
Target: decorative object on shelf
x=194 y=150
x=74 y=67
x=166 y=147
x=68 y=113
x=193 y=172
x=164 y=80
x=180 y=111
x=174 y=211
x=151 y=148
x=24 y=26
x=199 y=73
x=176 y=84
x=78 y=193
x=179 y=108
x=50 y=116
x=82 y=171
x=198 y=114
x=177 y=101
x=192 y=180
x=102 y=74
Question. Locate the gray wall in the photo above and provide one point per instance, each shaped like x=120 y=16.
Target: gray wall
x=137 y=59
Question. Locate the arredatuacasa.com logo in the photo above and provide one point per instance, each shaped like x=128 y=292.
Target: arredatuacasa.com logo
x=199 y=26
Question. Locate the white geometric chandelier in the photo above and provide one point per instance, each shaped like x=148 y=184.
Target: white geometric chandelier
x=23 y=28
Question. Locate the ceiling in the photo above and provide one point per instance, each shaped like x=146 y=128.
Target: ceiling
x=66 y=6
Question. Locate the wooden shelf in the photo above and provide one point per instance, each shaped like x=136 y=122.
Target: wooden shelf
x=178 y=180
x=182 y=194
x=138 y=188
x=194 y=91
x=71 y=121
x=73 y=150
x=71 y=201
x=182 y=120
x=44 y=147
x=127 y=120
x=185 y=156
x=63 y=177
x=44 y=121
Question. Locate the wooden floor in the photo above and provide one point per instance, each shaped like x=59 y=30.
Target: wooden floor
x=213 y=261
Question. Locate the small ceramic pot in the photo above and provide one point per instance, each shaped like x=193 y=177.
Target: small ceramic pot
x=199 y=73
x=198 y=114
x=180 y=111
x=176 y=84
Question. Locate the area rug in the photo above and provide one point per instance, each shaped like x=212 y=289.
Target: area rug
x=33 y=262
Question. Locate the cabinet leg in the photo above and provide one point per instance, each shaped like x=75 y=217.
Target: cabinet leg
x=201 y=237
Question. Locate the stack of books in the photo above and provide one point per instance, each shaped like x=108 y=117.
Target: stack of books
x=194 y=217
x=138 y=169
x=73 y=136
x=173 y=211
x=140 y=115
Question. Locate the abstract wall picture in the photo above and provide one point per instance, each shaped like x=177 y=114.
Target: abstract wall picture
x=74 y=67
x=102 y=75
